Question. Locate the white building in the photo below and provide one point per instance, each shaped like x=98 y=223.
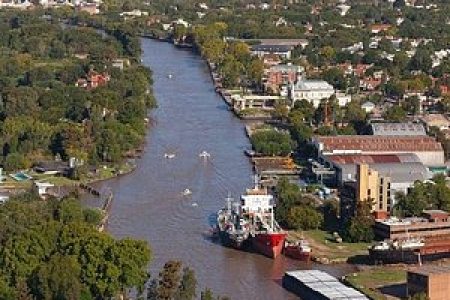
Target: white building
x=311 y=90
x=15 y=3
x=368 y=106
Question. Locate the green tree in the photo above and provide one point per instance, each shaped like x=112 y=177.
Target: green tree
x=304 y=217
x=188 y=285
x=61 y=256
x=256 y=70
x=272 y=143
x=412 y=105
x=230 y=70
x=16 y=161
x=213 y=50
x=360 y=227
x=395 y=114
x=421 y=61
x=59 y=279
x=336 y=78
x=169 y=280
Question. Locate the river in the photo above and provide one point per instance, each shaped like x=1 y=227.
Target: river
x=149 y=203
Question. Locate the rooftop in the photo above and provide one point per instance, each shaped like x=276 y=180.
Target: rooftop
x=373 y=159
x=430 y=269
x=286 y=68
x=325 y=285
x=313 y=85
x=287 y=42
x=375 y=143
x=437 y=120
x=272 y=48
x=401 y=172
x=398 y=129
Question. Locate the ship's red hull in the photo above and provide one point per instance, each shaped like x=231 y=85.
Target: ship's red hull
x=296 y=253
x=269 y=244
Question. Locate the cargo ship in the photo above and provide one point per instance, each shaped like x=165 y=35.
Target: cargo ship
x=251 y=221
x=232 y=228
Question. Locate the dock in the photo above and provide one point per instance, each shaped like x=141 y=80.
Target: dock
x=318 y=285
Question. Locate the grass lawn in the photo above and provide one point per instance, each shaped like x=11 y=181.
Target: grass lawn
x=368 y=281
x=324 y=245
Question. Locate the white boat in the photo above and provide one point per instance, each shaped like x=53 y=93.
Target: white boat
x=187 y=192
x=409 y=244
x=169 y=155
x=169 y=76
x=204 y=154
x=381 y=246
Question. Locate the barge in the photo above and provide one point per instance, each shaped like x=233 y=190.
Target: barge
x=318 y=285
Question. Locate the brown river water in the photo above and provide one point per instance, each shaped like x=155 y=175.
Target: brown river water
x=149 y=203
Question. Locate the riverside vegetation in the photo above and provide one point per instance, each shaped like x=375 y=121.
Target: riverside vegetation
x=44 y=114
x=50 y=107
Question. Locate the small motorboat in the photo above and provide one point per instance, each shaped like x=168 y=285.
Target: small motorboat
x=169 y=155
x=204 y=154
x=187 y=192
x=194 y=204
x=300 y=250
x=170 y=76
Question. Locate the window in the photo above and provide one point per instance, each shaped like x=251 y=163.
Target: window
x=368 y=192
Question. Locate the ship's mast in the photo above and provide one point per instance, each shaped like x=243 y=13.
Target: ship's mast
x=256 y=181
x=271 y=220
x=229 y=200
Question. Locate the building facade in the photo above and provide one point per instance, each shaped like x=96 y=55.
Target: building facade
x=431 y=225
x=433 y=281
x=314 y=91
x=370 y=185
x=283 y=74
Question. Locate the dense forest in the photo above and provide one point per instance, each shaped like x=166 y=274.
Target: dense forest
x=63 y=94
x=53 y=250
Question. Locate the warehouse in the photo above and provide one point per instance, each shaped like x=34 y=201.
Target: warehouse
x=427 y=149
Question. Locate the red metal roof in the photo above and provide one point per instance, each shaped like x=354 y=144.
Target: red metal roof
x=370 y=143
x=364 y=159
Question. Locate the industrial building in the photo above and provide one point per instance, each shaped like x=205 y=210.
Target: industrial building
x=371 y=186
x=432 y=224
x=433 y=281
x=402 y=169
x=427 y=149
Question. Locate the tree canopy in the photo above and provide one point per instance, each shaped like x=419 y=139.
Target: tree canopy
x=53 y=250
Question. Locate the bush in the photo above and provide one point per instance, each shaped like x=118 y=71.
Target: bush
x=272 y=143
x=304 y=217
x=359 y=229
x=16 y=161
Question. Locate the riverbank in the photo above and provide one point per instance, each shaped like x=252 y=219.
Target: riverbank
x=380 y=283
x=327 y=251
